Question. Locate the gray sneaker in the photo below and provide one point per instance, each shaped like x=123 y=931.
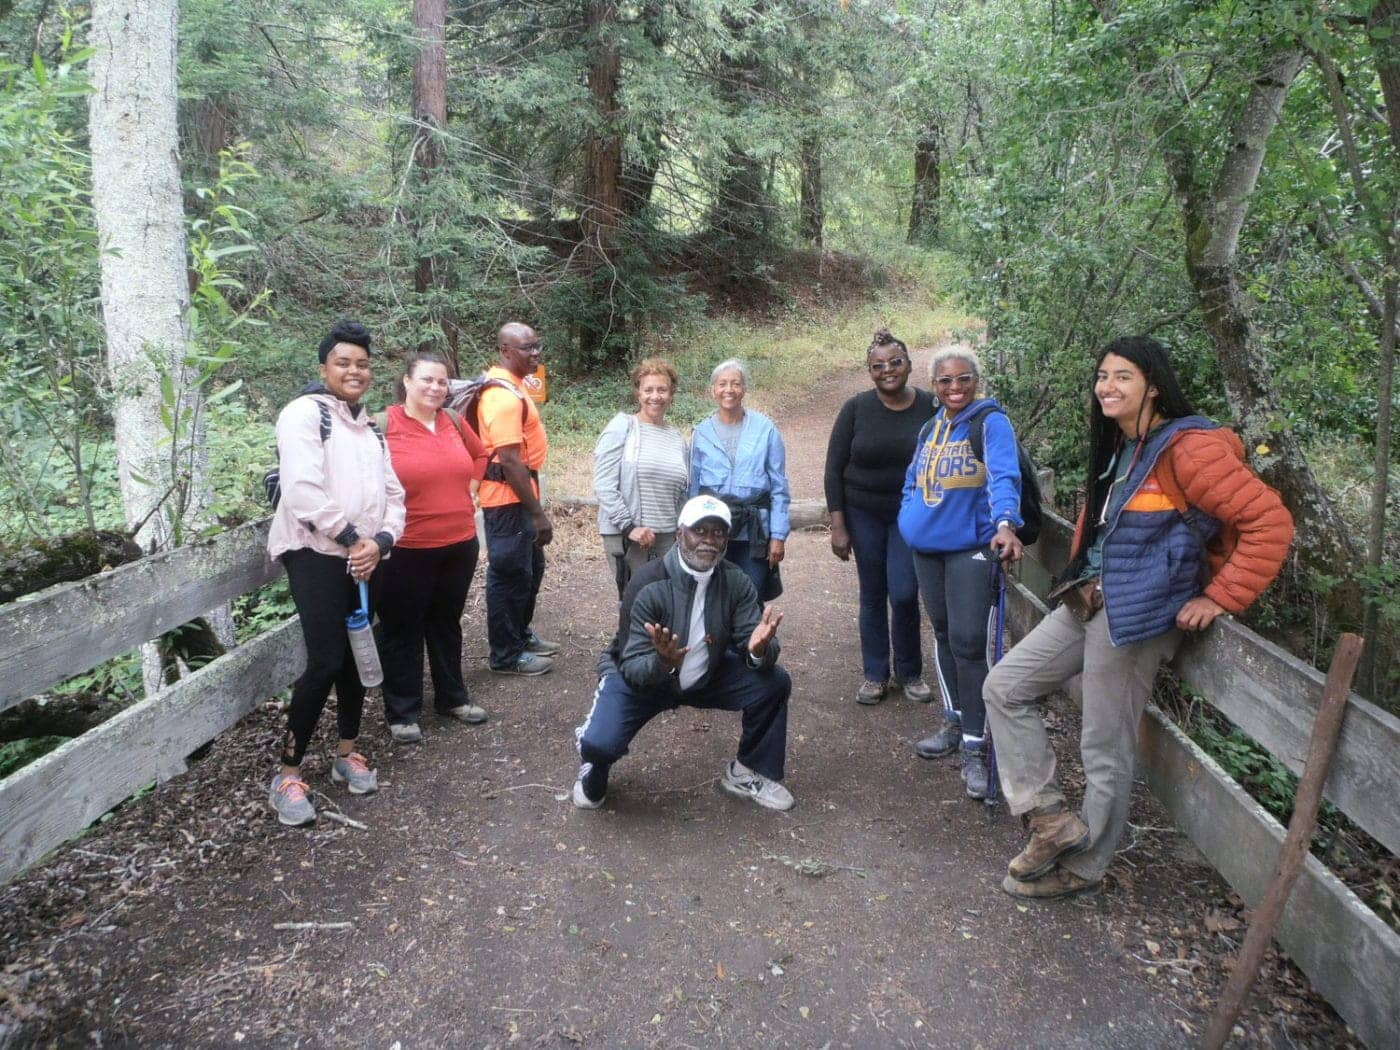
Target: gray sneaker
x=742 y=781
x=540 y=646
x=469 y=713
x=406 y=733
x=527 y=663
x=352 y=769
x=974 y=771
x=917 y=689
x=870 y=692
x=944 y=742
x=288 y=797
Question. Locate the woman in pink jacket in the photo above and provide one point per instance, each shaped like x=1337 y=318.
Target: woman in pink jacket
x=342 y=509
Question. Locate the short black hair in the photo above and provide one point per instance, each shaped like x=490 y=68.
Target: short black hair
x=344 y=332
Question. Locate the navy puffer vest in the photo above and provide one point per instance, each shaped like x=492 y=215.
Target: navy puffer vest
x=1154 y=558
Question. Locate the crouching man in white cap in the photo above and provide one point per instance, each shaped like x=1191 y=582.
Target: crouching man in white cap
x=691 y=632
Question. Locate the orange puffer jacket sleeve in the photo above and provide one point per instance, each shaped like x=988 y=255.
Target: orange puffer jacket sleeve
x=1206 y=469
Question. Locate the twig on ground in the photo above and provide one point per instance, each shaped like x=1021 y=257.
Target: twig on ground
x=686 y=790
x=313 y=926
x=95 y=856
x=522 y=787
x=341 y=818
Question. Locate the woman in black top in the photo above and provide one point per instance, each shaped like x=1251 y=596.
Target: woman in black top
x=869 y=451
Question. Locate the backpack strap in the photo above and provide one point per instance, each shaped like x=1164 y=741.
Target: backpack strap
x=381 y=420
x=458 y=422
x=974 y=430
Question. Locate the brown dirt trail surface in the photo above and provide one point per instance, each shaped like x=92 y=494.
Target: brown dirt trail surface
x=485 y=910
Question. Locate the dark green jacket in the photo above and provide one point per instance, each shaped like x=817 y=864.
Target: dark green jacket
x=661 y=592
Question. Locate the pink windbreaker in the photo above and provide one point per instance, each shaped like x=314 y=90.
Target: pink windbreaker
x=328 y=485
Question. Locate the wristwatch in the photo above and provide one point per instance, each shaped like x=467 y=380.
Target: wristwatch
x=1008 y=523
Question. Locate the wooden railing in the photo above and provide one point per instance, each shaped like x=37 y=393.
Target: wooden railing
x=66 y=630
x=1351 y=956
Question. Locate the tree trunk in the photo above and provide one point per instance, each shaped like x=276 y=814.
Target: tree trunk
x=925 y=210
x=811 y=211
x=741 y=215
x=429 y=121
x=1385 y=45
x=1212 y=220
x=639 y=173
x=600 y=213
x=145 y=288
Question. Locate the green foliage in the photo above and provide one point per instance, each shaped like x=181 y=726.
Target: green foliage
x=15 y=754
x=261 y=610
x=52 y=383
x=118 y=681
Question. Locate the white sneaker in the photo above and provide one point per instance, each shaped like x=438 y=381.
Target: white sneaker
x=405 y=732
x=742 y=781
x=581 y=799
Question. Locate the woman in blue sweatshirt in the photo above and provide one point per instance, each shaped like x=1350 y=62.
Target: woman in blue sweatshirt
x=960 y=512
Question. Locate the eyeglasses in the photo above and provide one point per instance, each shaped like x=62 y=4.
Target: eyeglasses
x=966 y=379
x=530 y=348
x=714 y=533
x=894 y=364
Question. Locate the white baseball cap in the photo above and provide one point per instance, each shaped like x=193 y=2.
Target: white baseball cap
x=701 y=507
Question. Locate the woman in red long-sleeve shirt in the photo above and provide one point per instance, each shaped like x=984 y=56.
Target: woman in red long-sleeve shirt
x=426 y=578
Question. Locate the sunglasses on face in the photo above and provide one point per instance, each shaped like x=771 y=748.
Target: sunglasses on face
x=894 y=364
x=966 y=379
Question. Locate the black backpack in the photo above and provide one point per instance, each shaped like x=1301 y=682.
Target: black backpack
x=1030 y=484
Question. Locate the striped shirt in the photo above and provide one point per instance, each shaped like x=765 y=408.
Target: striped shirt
x=661 y=475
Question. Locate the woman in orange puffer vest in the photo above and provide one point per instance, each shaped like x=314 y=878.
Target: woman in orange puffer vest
x=1175 y=530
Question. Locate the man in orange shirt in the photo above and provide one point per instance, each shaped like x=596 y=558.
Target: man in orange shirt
x=517 y=528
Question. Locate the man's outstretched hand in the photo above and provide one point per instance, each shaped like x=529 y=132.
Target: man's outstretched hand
x=765 y=630
x=668 y=649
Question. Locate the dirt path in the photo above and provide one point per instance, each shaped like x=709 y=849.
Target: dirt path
x=487 y=911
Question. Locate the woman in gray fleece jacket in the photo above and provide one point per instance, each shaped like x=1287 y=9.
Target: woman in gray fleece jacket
x=640 y=474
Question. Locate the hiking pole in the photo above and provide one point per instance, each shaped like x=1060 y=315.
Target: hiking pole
x=1321 y=747
x=998 y=644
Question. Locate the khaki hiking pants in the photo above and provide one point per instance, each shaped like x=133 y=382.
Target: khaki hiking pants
x=1117 y=683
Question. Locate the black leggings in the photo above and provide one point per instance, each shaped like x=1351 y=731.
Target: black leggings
x=324 y=595
x=960 y=599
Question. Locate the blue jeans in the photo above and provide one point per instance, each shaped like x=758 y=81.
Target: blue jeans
x=513 y=574
x=619 y=712
x=755 y=568
x=889 y=597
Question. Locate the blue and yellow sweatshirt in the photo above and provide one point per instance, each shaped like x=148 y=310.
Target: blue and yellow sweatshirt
x=953 y=500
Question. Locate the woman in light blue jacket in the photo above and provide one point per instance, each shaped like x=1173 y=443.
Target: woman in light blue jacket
x=737 y=455
x=639 y=474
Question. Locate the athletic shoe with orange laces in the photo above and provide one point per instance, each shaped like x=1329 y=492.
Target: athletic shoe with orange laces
x=288 y=798
x=352 y=769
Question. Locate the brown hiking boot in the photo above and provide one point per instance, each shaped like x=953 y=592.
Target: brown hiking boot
x=1053 y=835
x=1059 y=883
